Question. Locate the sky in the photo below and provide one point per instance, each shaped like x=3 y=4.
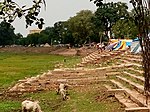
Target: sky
x=57 y=10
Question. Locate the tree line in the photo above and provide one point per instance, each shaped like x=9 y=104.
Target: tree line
x=110 y=20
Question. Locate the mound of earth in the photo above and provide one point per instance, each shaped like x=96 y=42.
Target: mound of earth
x=50 y=50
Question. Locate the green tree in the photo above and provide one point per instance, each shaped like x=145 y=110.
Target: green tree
x=7 y=34
x=33 y=39
x=60 y=31
x=43 y=39
x=51 y=34
x=18 y=38
x=125 y=28
x=108 y=14
x=10 y=10
x=81 y=26
x=98 y=3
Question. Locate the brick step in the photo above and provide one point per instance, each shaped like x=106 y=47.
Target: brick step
x=50 y=85
x=113 y=53
x=124 y=100
x=129 y=62
x=110 y=89
x=136 y=86
x=126 y=65
x=77 y=77
x=139 y=78
x=137 y=109
x=121 y=97
x=134 y=56
x=124 y=61
x=138 y=71
x=133 y=59
x=135 y=96
x=112 y=73
x=80 y=81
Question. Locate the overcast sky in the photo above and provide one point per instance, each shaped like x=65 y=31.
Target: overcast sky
x=58 y=10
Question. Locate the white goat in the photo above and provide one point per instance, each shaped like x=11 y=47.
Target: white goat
x=62 y=90
x=30 y=106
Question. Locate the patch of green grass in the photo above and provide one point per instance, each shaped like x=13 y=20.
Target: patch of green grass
x=133 y=72
x=133 y=79
x=9 y=106
x=80 y=101
x=17 y=66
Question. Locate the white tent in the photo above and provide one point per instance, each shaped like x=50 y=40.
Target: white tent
x=135 y=47
x=46 y=45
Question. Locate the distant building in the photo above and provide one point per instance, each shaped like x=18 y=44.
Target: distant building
x=35 y=31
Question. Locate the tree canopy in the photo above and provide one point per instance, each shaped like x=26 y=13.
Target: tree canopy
x=7 y=35
x=10 y=10
x=85 y=27
x=108 y=14
x=81 y=26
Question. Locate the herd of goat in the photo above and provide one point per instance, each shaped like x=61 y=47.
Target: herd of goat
x=33 y=106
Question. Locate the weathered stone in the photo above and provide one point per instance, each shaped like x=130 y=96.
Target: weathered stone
x=137 y=109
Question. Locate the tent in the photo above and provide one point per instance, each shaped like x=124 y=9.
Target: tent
x=135 y=46
x=123 y=44
x=46 y=45
x=110 y=47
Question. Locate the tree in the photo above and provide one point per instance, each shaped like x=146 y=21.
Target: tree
x=7 y=34
x=18 y=38
x=33 y=39
x=108 y=14
x=141 y=17
x=51 y=34
x=10 y=10
x=60 y=31
x=43 y=39
x=125 y=29
x=98 y=3
x=81 y=26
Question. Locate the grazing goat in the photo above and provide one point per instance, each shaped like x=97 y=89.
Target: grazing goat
x=62 y=90
x=29 y=106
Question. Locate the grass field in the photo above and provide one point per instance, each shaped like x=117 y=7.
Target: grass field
x=18 y=66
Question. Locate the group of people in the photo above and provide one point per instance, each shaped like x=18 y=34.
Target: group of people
x=100 y=47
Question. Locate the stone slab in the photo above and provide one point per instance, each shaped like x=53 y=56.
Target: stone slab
x=137 y=109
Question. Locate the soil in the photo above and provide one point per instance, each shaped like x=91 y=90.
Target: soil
x=50 y=50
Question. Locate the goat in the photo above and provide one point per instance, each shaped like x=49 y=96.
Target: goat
x=62 y=90
x=30 y=106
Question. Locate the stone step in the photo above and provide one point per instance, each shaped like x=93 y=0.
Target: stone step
x=129 y=62
x=82 y=78
x=136 y=86
x=139 y=78
x=135 y=96
x=115 y=90
x=78 y=76
x=107 y=86
x=126 y=65
x=120 y=96
x=124 y=61
x=138 y=65
x=134 y=56
x=137 y=109
x=83 y=62
x=127 y=102
x=133 y=64
x=133 y=59
x=112 y=73
x=81 y=82
x=138 y=71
